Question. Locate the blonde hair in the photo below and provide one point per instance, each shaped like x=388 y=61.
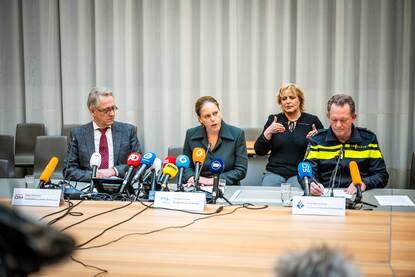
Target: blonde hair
x=296 y=90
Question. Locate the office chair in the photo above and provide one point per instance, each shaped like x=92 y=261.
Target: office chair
x=47 y=147
x=26 y=134
x=7 y=153
x=175 y=151
x=66 y=129
x=412 y=173
x=256 y=168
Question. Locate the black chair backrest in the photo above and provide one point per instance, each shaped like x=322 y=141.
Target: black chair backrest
x=256 y=168
x=26 y=134
x=412 y=173
x=4 y=168
x=175 y=151
x=66 y=129
x=46 y=148
x=7 y=152
x=251 y=134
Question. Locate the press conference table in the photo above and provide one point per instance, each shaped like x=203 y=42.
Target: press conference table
x=245 y=243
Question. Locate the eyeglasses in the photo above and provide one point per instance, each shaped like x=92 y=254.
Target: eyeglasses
x=108 y=110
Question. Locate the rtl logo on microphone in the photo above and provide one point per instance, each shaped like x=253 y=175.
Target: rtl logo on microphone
x=134 y=157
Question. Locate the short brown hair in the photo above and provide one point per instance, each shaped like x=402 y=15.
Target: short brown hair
x=341 y=100
x=202 y=100
x=296 y=90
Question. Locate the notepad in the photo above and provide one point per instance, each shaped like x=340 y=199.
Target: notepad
x=394 y=200
x=337 y=193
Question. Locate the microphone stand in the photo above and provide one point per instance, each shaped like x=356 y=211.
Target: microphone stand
x=358 y=200
x=336 y=168
x=217 y=192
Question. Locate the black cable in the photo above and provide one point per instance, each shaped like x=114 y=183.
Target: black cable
x=53 y=221
x=217 y=213
x=90 y=266
x=64 y=209
x=95 y=215
x=111 y=227
x=68 y=211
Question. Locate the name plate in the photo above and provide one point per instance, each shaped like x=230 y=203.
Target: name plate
x=36 y=197
x=313 y=205
x=189 y=201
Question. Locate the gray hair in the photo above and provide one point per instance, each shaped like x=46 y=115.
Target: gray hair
x=94 y=94
x=316 y=262
x=341 y=100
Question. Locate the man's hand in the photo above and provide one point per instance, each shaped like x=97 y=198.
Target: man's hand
x=105 y=173
x=316 y=189
x=352 y=188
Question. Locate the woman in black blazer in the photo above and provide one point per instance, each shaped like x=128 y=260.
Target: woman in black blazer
x=225 y=142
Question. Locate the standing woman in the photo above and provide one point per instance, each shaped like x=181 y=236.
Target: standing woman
x=285 y=135
x=225 y=142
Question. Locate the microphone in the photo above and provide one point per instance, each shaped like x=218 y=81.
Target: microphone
x=336 y=168
x=305 y=172
x=146 y=161
x=133 y=161
x=182 y=163
x=155 y=169
x=198 y=156
x=167 y=160
x=216 y=166
x=48 y=171
x=94 y=163
x=356 y=179
x=169 y=171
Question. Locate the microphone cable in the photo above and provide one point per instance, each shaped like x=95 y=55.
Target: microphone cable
x=217 y=213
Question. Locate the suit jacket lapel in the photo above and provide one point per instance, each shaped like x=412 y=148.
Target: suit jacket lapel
x=115 y=141
x=89 y=138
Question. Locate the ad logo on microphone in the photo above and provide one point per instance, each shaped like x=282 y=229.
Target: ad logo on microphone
x=199 y=153
x=148 y=155
x=306 y=167
x=216 y=165
x=134 y=157
x=183 y=159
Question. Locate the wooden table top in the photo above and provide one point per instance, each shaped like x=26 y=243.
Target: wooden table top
x=244 y=243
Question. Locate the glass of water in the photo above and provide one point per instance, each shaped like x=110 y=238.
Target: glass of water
x=29 y=181
x=286 y=194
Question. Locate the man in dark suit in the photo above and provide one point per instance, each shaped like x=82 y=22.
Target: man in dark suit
x=113 y=140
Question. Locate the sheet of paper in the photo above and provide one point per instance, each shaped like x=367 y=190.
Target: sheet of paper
x=337 y=193
x=394 y=200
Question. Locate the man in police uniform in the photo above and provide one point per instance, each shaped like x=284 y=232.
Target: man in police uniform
x=342 y=142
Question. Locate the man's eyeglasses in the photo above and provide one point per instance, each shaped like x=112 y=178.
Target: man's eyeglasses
x=108 y=110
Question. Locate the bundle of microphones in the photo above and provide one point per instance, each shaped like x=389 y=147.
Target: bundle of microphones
x=305 y=173
x=147 y=174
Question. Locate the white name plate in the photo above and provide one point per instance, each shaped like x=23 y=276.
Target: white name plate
x=36 y=197
x=189 y=201
x=313 y=205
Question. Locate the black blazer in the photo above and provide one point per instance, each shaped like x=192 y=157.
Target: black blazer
x=81 y=147
x=231 y=148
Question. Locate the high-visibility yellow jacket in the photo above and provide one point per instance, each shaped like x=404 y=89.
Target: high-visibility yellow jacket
x=324 y=150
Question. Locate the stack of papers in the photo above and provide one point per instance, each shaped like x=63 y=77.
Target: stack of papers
x=394 y=200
